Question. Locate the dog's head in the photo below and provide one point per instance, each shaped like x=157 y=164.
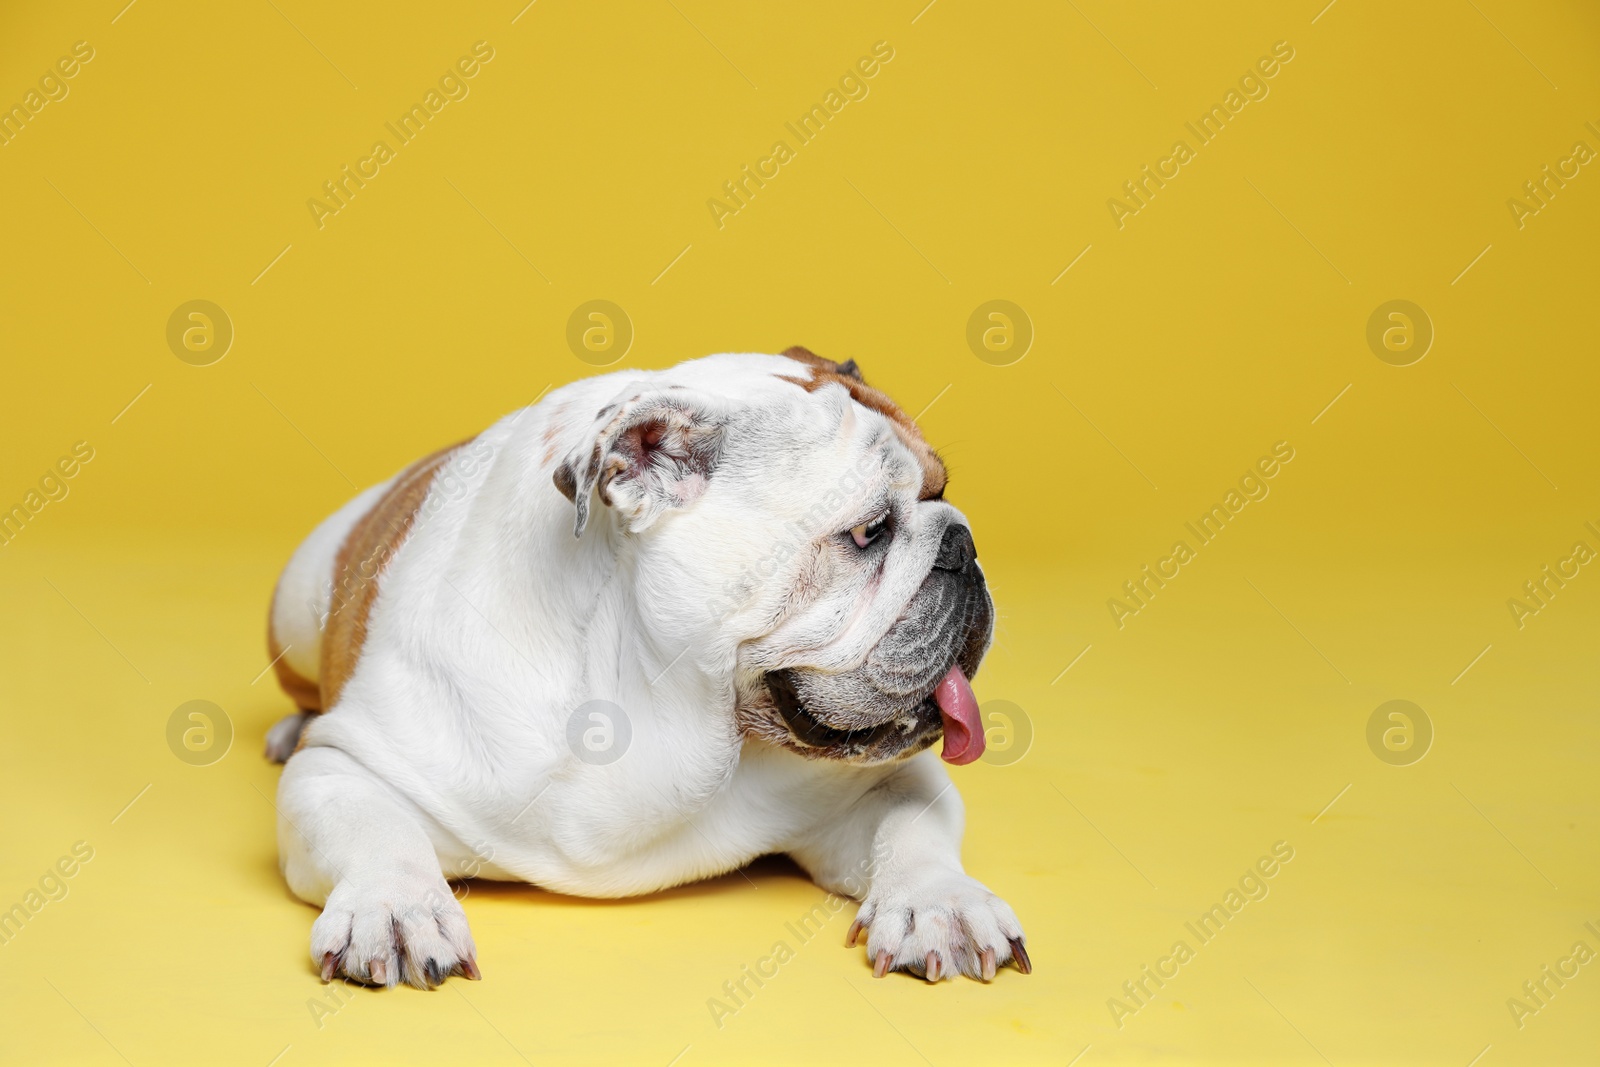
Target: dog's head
x=791 y=518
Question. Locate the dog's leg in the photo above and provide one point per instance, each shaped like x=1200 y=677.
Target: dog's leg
x=345 y=842
x=285 y=735
x=898 y=850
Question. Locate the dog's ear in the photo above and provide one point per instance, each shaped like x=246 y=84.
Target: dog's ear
x=649 y=452
x=847 y=369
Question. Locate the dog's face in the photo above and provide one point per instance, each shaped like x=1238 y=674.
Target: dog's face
x=799 y=519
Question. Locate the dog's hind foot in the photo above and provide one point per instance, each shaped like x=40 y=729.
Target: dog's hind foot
x=285 y=735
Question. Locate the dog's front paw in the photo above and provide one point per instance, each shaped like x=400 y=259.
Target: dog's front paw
x=381 y=930
x=938 y=926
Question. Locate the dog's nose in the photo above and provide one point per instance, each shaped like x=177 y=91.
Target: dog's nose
x=956 y=550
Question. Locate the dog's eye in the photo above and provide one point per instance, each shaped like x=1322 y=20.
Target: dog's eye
x=868 y=532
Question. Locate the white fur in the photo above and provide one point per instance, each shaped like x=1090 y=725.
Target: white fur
x=447 y=753
x=300 y=602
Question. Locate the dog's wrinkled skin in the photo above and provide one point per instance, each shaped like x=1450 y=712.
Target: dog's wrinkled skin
x=775 y=677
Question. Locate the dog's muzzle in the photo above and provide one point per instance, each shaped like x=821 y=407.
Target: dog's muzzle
x=914 y=684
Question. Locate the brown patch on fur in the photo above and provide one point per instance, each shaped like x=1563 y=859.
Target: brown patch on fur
x=811 y=359
x=826 y=371
x=360 y=562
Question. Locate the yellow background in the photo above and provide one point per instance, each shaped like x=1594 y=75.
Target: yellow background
x=1223 y=317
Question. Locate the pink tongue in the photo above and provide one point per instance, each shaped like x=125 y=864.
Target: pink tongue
x=963 y=731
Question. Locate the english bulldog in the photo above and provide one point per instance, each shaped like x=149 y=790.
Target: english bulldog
x=640 y=633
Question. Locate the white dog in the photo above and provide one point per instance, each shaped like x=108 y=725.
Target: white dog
x=639 y=634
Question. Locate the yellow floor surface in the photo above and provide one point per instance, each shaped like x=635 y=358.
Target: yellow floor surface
x=1385 y=883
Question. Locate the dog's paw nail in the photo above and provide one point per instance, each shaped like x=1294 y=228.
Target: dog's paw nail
x=986 y=964
x=330 y=962
x=1020 y=956
x=469 y=970
x=881 y=967
x=432 y=972
x=380 y=974
x=853 y=933
x=933 y=966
